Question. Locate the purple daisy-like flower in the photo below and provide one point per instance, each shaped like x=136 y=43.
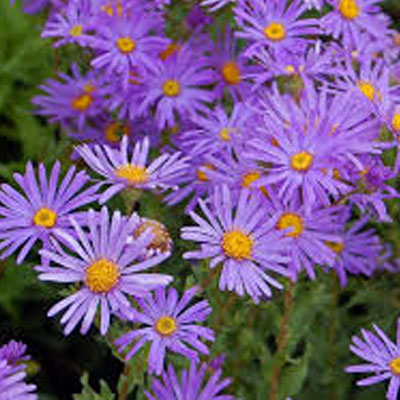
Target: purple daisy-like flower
x=382 y=358
x=192 y=385
x=175 y=87
x=169 y=325
x=236 y=234
x=351 y=18
x=105 y=265
x=274 y=25
x=73 y=100
x=357 y=251
x=12 y=373
x=70 y=24
x=42 y=209
x=123 y=169
x=125 y=43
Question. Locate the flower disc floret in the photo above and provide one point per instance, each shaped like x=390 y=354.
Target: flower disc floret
x=337 y=247
x=166 y=325
x=275 y=32
x=133 y=174
x=102 y=276
x=76 y=30
x=237 y=244
x=45 y=217
x=82 y=102
x=395 y=366
x=367 y=89
x=291 y=220
x=396 y=122
x=249 y=178
x=349 y=9
x=171 y=88
x=301 y=161
x=126 y=45
x=231 y=73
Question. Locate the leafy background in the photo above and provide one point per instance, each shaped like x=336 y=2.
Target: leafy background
x=321 y=322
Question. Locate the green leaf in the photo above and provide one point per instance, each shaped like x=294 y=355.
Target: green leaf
x=89 y=394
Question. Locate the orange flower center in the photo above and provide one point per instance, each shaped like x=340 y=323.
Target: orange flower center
x=236 y=244
x=166 y=326
x=102 y=276
x=45 y=217
x=275 y=32
x=291 y=220
x=231 y=73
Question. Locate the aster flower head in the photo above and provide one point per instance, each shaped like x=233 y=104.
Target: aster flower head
x=275 y=25
x=382 y=359
x=169 y=324
x=12 y=375
x=126 y=43
x=176 y=87
x=42 y=209
x=70 y=24
x=73 y=99
x=236 y=233
x=123 y=168
x=349 y=19
x=105 y=264
x=191 y=386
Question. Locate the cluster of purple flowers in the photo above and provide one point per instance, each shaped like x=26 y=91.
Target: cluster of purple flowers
x=279 y=178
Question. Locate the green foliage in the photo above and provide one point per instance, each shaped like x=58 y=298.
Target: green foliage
x=89 y=394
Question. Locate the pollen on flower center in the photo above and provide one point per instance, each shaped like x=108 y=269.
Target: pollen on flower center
x=291 y=220
x=170 y=51
x=166 y=326
x=171 y=88
x=275 y=31
x=82 y=102
x=349 y=9
x=225 y=134
x=395 y=366
x=126 y=45
x=231 y=73
x=102 y=276
x=76 y=30
x=396 y=122
x=201 y=175
x=133 y=174
x=45 y=217
x=250 y=177
x=301 y=161
x=367 y=89
x=337 y=247
x=237 y=244
x=161 y=240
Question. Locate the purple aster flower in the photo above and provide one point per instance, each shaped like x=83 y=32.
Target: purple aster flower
x=274 y=25
x=42 y=209
x=70 y=24
x=12 y=373
x=33 y=6
x=357 y=251
x=123 y=169
x=73 y=100
x=237 y=234
x=191 y=386
x=197 y=18
x=174 y=87
x=350 y=18
x=125 y=43
x=382 y=358
x=169 y=325
x=318 y=4
x=307 y=233
x=106 y=267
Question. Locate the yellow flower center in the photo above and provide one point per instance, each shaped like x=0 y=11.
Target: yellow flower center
x=290 y=69
x=249 y=178
x=166 y=326
x=237 y=244
x=169 y=51
x=45 y=217
x=133 y=174
x=275 y=31
x=161 y=240
x=231 y=73
x=291 y=220
x=102 y=276
x=301 y=161
x=395 y=366
x=367 y=89
x=171 y=88
x=349 y=9
x=225 y=134
x=201 y=175
x=337 y=247
x=82 y=102
x=126 y=45
x=76 y=30
x=114 y=130
x=109 y=9
x=396 y=122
